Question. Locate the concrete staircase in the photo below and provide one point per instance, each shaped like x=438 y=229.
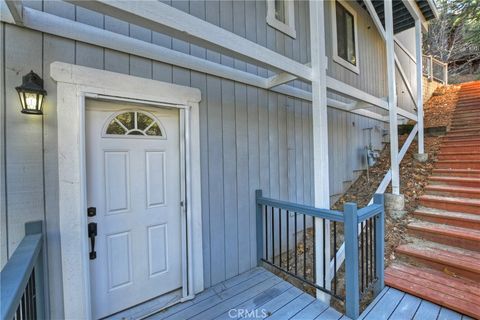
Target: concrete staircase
x=441 y=262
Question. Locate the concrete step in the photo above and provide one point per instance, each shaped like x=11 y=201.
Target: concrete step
x=461 y=155
x=457 y=204
x=461 y=295
x=460 y=262
x=457 y=173
x=464 y=238
x=453 y=191
x=457 y=164
x=457 y=219
x=473 y=183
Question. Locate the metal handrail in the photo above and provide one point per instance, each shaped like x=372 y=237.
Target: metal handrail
x=361 y=275
x=22 y=278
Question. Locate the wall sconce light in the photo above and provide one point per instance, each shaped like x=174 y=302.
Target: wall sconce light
x=31 y=93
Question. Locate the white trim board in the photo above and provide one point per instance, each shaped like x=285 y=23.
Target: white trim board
x=74 y=84
x=184 y=26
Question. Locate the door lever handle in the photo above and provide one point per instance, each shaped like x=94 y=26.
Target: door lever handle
x=92 y=233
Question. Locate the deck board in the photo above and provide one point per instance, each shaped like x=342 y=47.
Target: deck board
x=393 y=304
x=264 y=295
x=258 y=292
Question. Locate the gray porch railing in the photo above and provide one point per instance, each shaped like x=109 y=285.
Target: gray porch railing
x=280 y=246
x=22 y=294
x=434 y=69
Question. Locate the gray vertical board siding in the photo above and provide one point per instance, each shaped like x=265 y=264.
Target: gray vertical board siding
x=3 y=186
x=23 y=136
x=249 y=137
x=372 y=63
x=229 y=154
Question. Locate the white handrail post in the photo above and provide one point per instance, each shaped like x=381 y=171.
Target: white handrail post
x=320 y=140
x=418 y=51
x=392 y=97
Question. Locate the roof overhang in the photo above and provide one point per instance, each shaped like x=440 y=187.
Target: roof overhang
x=402 y=12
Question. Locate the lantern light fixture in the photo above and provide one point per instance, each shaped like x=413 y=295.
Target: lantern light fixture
x=31 y=93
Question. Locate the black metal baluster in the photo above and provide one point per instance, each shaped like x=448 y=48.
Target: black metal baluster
x=296 y=245
x=304 y=247
x=361 y=257
x=366 y=254
x=288 y=240
x=273 y=235
x=376 y=253
x=24 y=307
x=266 y=233
x=314 y=265
x=324 y=253
x=372 y=242
x=280 y=233
x=34 y=295
x=334 y=257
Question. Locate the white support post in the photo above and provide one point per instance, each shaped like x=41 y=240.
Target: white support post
x=392 y=97
x=320 y=140
x=418 y=52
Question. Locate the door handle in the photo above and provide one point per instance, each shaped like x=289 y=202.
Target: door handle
x=92 y=233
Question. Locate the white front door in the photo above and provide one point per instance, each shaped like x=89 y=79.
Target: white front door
x=133 y=181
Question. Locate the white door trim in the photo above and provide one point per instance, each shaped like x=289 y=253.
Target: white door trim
x=74 y=84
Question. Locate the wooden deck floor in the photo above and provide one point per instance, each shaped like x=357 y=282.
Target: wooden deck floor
x=264 y=295
x=258 y=292
x=394 y=304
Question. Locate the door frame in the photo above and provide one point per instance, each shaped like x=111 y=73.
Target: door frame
x=74 y=85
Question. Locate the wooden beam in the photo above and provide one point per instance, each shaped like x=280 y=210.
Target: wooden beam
x=419 y=74
x=16 y=8
x=415 y=12
x=376 y=20
x=163 y=18
x=357 y=94
x=282 y=78
x=320 y=141
x=392 y=97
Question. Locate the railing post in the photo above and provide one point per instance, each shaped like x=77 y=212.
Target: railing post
x=445 y=73
x=258 y=194
x=36 y=227
x=379 y=244
x=352 y=294
x=430 y=67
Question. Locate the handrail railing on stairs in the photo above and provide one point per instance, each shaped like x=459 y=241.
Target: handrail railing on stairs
x=287 y=241
x=340 y=256
x=22 y=286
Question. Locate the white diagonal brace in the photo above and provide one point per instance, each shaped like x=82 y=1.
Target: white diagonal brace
x=15 y=7
x=282 y=78
x=405 y=80
x=163 y=18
